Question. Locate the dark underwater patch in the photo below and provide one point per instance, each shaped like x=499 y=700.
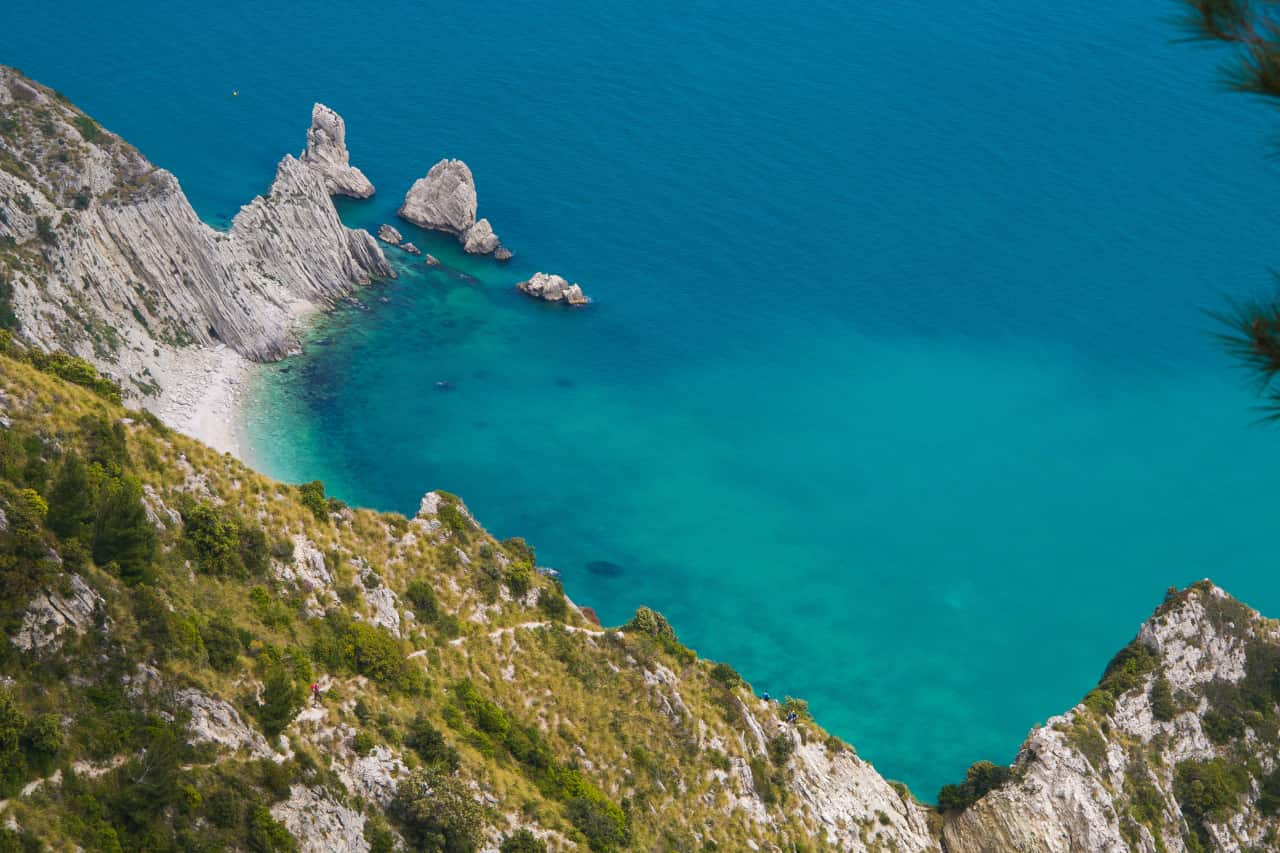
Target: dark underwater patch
x=604 y=569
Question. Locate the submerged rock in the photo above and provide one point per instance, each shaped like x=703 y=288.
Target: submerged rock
x=553 y=288
x=604 y=568
x=327 y=154
x=445 y=200
x=387 y=234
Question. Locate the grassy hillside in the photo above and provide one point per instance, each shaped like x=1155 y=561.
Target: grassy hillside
x=167 y=612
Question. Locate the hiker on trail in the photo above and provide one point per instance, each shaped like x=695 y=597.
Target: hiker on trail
x=315 y=693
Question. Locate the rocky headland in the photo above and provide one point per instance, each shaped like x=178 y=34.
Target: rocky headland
x=445 y=200
x=102 y=256
x=552 y=288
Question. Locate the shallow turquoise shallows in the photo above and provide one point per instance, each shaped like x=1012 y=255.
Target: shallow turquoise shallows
x=897 y=391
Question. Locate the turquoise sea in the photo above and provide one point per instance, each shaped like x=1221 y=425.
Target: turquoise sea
x=898 y=391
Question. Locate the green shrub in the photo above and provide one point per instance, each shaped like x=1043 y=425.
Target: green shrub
x=282 y=699
x=452 y=516
x=213 y=538
x=363 y=743
x=44 y=230
x=312 y=496
x=73 y=502
x=8 y=319
x=423 y=600
x=1269 y=800
x=88 y=128
x=266 y=834
x=74 y=370
x=43 y=734
x=764 y=781
x=981 y=778
x=780 y=748
x=1209 y=791
x=221 y=643
x=378 y=834
x=523 y=841
x=429 y=743
x=1162 y=704
x=520 y=550
x=726 y=675
x=437 y=812
x=122 y=534
x=519 y=578
x=25 y=565
x=13 y=765
x=603 y=823
x=552 y=601
x=367 y=650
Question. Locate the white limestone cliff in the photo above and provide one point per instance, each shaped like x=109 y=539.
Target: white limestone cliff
x=107 y=259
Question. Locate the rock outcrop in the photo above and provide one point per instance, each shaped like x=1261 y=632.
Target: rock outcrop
x=215 y=721
x=552 y=288
x=387 y=234
x=1172 y=751
x=52 y=614
x=321 y=823
x=445 y=200
x=109 y=261
x=327 y=154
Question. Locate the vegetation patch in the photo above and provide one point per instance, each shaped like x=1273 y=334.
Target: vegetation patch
x=980 y=779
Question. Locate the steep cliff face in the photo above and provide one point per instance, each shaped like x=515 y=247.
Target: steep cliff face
x=1175 y=750
x=105 y=258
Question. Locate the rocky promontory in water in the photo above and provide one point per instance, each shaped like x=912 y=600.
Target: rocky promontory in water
x=552 y=288
x=202 y=658
x=445 y=200
x=327 y=154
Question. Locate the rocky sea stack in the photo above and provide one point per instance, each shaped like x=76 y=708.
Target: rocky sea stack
x=327 y=154
x=553 y=288
x=445 y=200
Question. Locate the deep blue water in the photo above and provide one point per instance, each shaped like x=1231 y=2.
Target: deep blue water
x=897 y=392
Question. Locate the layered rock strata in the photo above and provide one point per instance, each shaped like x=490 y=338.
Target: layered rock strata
x=327 y=154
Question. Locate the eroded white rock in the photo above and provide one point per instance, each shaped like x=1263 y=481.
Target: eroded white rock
x=327 y=154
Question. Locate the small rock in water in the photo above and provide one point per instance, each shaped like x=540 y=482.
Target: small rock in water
x=502 y=254
x=552 y=288
x=387 y=234
x=604 y=568
x=410 y=248
x=432 y=260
